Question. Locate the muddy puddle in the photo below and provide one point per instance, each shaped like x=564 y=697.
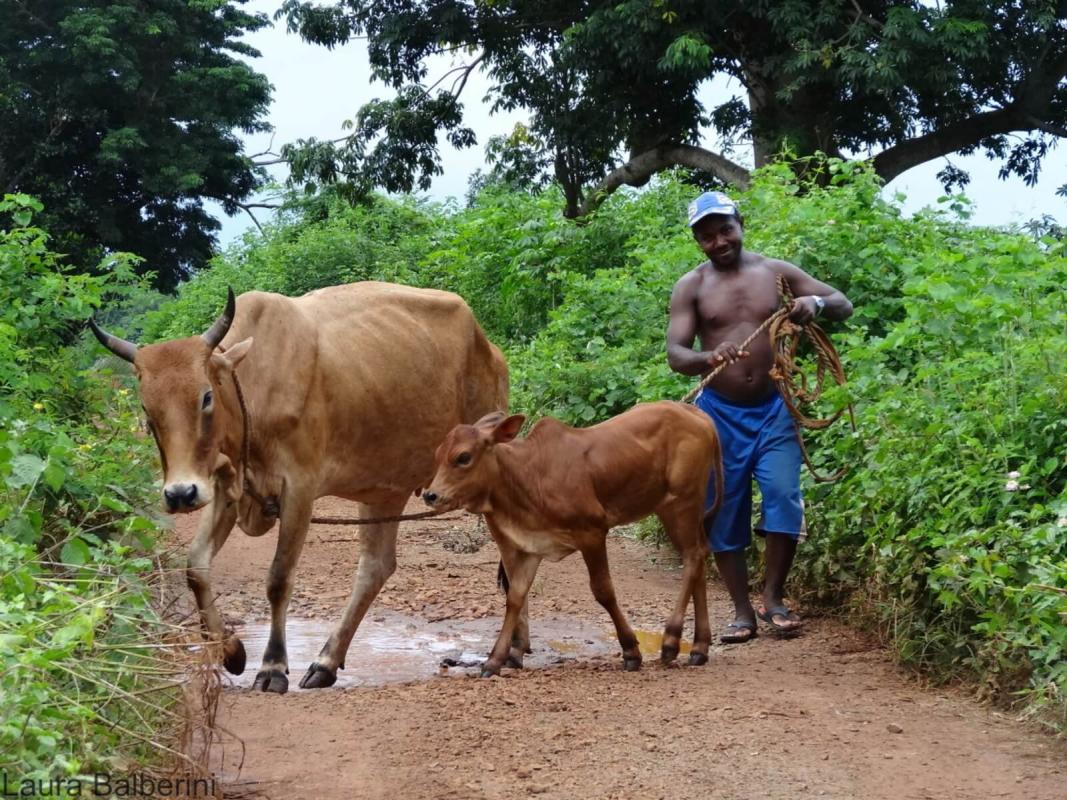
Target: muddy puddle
x=396 y=648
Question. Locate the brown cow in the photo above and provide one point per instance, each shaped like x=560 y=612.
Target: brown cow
x=560 y=489
x=348 y=390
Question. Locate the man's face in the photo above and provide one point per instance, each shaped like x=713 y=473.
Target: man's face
x=720 y=237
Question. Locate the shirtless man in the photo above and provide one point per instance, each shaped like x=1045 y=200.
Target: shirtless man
x=722 y=301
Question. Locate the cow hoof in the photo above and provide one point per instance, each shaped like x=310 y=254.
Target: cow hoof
x=490 y=671
x=698 y=659
x=631 y=664
x=233 y=656
x=272 y=680
x=668 y=654
x=514 y=659
x=318 y=677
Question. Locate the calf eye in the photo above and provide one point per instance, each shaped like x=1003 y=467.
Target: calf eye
x=207 y=400
x=463 y=459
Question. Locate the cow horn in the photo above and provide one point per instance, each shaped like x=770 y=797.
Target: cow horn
x=220 y=327
x=119 y=347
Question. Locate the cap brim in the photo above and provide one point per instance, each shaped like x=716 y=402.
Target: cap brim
x=726 y=211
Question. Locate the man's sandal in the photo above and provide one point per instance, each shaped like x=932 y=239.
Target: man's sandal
x=739 y=636
x=767 y=614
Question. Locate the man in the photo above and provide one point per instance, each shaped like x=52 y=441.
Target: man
x=722 y=302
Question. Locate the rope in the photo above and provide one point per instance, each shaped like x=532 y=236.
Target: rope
x=789 y=379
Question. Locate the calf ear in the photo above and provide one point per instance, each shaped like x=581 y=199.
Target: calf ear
x=490 y=420
x=508 y=429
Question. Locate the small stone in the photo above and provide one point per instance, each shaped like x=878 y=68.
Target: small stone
x=892 y=727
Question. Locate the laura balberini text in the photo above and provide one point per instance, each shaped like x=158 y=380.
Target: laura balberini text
x=102 y=784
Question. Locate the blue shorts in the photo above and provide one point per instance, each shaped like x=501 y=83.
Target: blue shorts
x=758 y=441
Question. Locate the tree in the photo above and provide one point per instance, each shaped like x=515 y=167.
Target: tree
x=119 y=115
x=612 y=87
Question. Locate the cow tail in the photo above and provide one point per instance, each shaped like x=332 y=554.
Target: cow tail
x=502 y=578
x=717 y=468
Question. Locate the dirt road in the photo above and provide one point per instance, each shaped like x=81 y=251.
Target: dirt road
x=823 y=715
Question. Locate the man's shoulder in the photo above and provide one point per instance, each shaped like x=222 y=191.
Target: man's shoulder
x=772 y=266
x=691 y=278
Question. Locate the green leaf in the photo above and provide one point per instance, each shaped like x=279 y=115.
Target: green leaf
x=76 y=552
x=54 y=476
x=25 y=470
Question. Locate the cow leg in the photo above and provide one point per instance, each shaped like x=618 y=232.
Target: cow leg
x=296 y=516
x=521 y=569
x=683 y=527
x=596 y=560
x=216 y=522
x=377 y=561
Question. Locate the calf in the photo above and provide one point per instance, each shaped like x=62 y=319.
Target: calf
x=561 y=489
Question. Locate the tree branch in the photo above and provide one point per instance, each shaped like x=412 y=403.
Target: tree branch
x=247 y=208
x=1048 y=127
x=899 y=158
x=640 y=168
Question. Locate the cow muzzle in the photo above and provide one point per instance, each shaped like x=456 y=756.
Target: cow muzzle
x=437 y=502
x=182 y=497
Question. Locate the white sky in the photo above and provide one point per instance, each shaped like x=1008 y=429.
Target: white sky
x=316 y=89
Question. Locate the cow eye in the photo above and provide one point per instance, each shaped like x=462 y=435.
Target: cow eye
x=207 y=400
x=463 y=459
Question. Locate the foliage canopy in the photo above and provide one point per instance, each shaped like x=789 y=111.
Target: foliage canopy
x=612 y=87
x=119 y=116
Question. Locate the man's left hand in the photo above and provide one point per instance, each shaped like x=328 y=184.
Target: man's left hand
x=803 y=310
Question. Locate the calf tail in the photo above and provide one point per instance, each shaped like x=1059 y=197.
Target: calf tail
x=717 y=469
x=502 y=578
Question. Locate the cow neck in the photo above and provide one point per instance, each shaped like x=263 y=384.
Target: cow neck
x=513 y=469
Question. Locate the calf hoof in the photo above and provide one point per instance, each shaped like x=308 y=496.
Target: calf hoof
x=271 y=680
x=233 y=656
x=318 y=677
x=631 y=664
x=514 y=659
x=490 y=670
x=698 y=659
x=668 y=654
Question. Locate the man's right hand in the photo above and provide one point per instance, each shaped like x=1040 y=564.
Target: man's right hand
x=726 y=353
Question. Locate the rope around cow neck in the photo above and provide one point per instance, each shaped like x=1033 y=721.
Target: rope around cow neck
x=791 y=382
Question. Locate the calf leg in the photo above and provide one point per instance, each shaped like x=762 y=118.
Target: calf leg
x=216 y=522
x=596 y=560
x=520 y=639
x=683 y=526
x=377 y=561
x=701 y=623
x=521 y=569
x=296 y=516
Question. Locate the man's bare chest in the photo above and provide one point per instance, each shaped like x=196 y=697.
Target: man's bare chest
x=724 y=303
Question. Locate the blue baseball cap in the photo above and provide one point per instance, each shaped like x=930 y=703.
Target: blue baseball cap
x=711 y=203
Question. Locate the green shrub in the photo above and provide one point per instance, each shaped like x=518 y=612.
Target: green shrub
x=80 y=681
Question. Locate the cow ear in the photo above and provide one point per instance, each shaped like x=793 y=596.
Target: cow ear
x=234 y=354
x=508 y=429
